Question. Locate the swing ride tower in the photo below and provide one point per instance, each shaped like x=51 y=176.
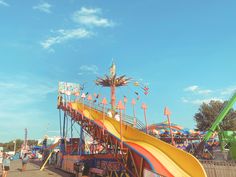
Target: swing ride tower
x=113 y=81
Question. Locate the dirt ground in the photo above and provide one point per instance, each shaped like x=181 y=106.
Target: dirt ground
x=32 y=170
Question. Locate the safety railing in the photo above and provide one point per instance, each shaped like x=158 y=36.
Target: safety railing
x=126 y=118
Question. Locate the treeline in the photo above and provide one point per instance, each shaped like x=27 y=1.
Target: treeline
x=207 y=114
x=10 y=145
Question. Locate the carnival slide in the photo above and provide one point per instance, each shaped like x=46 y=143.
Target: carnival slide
x=164 y=158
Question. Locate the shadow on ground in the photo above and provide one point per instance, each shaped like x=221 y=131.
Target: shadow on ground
x=38 y=164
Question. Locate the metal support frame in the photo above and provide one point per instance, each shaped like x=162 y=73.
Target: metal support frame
x=60 y=122
x=135 y=167
x=81 y=140
x=141 y=167
x=124 y=155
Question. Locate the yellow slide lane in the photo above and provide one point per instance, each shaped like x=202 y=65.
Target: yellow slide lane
x=165 y=160
x=178 y=162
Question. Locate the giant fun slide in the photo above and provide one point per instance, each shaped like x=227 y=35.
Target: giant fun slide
x=163 y=158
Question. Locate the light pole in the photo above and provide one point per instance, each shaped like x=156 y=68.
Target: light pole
x=144 y=107
x=121 y=107
x=104 y=102
x=14 y=146
x=125 y=101
x=83 y=96
x=167 y=113
x=90 y=98
x=25 y=141
x=77 y=96
x=133 y=104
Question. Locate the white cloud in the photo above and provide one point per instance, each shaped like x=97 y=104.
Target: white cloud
x=192 y=88
x=65 y=35
x=184 y=100
x=89 y=69
x=204 y=92
x=91 y=17
x=2 y=2
x=228 y=91
x=198 y=95
x=43 y=7
x=85 y=18
x=200 y=101
x=197 y=89
x=89 y=11
x=19 y=92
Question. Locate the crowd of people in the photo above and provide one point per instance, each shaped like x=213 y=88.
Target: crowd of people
x=5 y=162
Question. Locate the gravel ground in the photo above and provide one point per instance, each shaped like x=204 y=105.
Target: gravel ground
x=32 y=170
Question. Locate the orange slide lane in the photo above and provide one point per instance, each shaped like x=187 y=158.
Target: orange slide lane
x=156 y=163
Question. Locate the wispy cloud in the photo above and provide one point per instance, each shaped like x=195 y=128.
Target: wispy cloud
x=88 y=69
x=65 y=35
x=197 y=96
x=228 y=91
x=200 y=101
x=87 y=19
x=43 y=7
x=197 y=89
x=91 y=17
x=21 y=97
x=2 y=2
x=20 y=91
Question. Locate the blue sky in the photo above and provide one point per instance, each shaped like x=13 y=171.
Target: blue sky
x=183 y=50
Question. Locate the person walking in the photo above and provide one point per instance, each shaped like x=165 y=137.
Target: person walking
x=25 y=160
x=1 y=155
x=5 y=165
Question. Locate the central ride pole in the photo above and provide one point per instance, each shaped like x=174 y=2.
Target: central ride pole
x=113 y=97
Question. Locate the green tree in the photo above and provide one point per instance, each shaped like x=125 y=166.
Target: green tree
x=32 y=142
x=207 y=114
x=10 y=145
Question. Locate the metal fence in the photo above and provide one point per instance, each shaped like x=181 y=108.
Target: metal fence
x=219 y=168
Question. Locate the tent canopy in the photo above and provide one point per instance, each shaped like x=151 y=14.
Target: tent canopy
x=165 y=125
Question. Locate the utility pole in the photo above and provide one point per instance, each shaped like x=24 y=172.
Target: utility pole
x=25 y=141
x=14 y=146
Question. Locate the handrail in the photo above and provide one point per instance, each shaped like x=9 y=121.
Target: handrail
x=127 y=119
